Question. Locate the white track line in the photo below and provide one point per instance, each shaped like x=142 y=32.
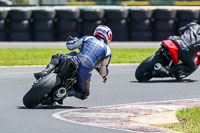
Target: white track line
x=58 y=114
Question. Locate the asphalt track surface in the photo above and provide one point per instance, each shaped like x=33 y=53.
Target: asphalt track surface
x=121 y=88
x=62 y=44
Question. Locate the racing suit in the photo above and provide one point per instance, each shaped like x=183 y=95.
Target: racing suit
x=94 y=54
x=189 y=44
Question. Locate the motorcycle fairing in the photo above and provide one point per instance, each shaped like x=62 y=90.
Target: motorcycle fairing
x=197 y=58
x=173 y=49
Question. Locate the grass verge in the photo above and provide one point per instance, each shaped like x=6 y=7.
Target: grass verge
x=189 y=121
x=37 y=56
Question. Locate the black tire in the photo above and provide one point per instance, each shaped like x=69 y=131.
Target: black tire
x=87 y=33
x=63 y=25
x=141 y=25
x=62 y=36
x=67 y=14
x=19 y=14
x=92 y=14
x=120 y=25
x=19 y=36
x=140 y=14
x=164 y=14
x=3 y=36
x=3 y=14
x=43 y=36
x=120 y=36
x=160 y=35
x=43 y=25
x=23 y=25
x=144 y=71
x=165 y=25
x=2 y=25
x=182 y=23
x=90 y=26
x=37 y=92
x=115 y=14
x=187 y=14
x=43 y=14
x=141 y=36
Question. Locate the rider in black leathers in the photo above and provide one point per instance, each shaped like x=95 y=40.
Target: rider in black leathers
x=189 y=44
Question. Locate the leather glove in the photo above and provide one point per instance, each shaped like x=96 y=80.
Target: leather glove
x=104 y=79
x=70 y=38
x=98 y=68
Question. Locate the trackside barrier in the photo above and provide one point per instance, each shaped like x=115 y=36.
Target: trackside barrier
x=128 y=23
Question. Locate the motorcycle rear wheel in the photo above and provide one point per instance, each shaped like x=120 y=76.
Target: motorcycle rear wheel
x=38 y=91
x=144 y=71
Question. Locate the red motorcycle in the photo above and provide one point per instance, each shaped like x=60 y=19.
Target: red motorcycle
x=162 y=62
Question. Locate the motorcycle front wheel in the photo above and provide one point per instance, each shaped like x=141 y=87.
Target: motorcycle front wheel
x=38 y=90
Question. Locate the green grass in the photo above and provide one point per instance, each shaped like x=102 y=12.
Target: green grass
x=130 y=55
x=36 y=56
x=189 y=121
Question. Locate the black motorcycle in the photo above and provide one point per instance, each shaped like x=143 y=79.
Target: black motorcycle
x=162 y=64
x=52 y=88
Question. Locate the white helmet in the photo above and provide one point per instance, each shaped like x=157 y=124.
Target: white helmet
x=104 y=32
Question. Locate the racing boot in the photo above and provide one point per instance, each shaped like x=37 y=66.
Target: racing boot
x=77 y=93
x=47 y=70
x=178 y=72
x=61 y=101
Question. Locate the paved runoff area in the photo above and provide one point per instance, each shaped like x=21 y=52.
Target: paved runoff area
x=121 y=105
x=136 y=117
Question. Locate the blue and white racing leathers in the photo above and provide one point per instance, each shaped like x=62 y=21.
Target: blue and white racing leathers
x=93 y=52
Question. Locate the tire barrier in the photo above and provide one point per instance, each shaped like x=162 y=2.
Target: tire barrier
x=186 y=16
x=164 y=23
x=117 y=21
x=67 y=24
x=56 y=24
x=90 y=19
x=43 y=25
x=19 y=25
x=3 y=16
x=140 y=25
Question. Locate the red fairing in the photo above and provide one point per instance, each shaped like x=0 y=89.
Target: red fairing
x=197 y=60
x=173 y=49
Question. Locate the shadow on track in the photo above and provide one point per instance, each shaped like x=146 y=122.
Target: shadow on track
x=53 y=107
x=168 y=81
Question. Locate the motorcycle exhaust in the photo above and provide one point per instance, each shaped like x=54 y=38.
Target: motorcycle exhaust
x=61 y=92
x=160 y=67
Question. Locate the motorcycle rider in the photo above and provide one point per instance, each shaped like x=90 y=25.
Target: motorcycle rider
x=94 y=53
x=188 y=43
